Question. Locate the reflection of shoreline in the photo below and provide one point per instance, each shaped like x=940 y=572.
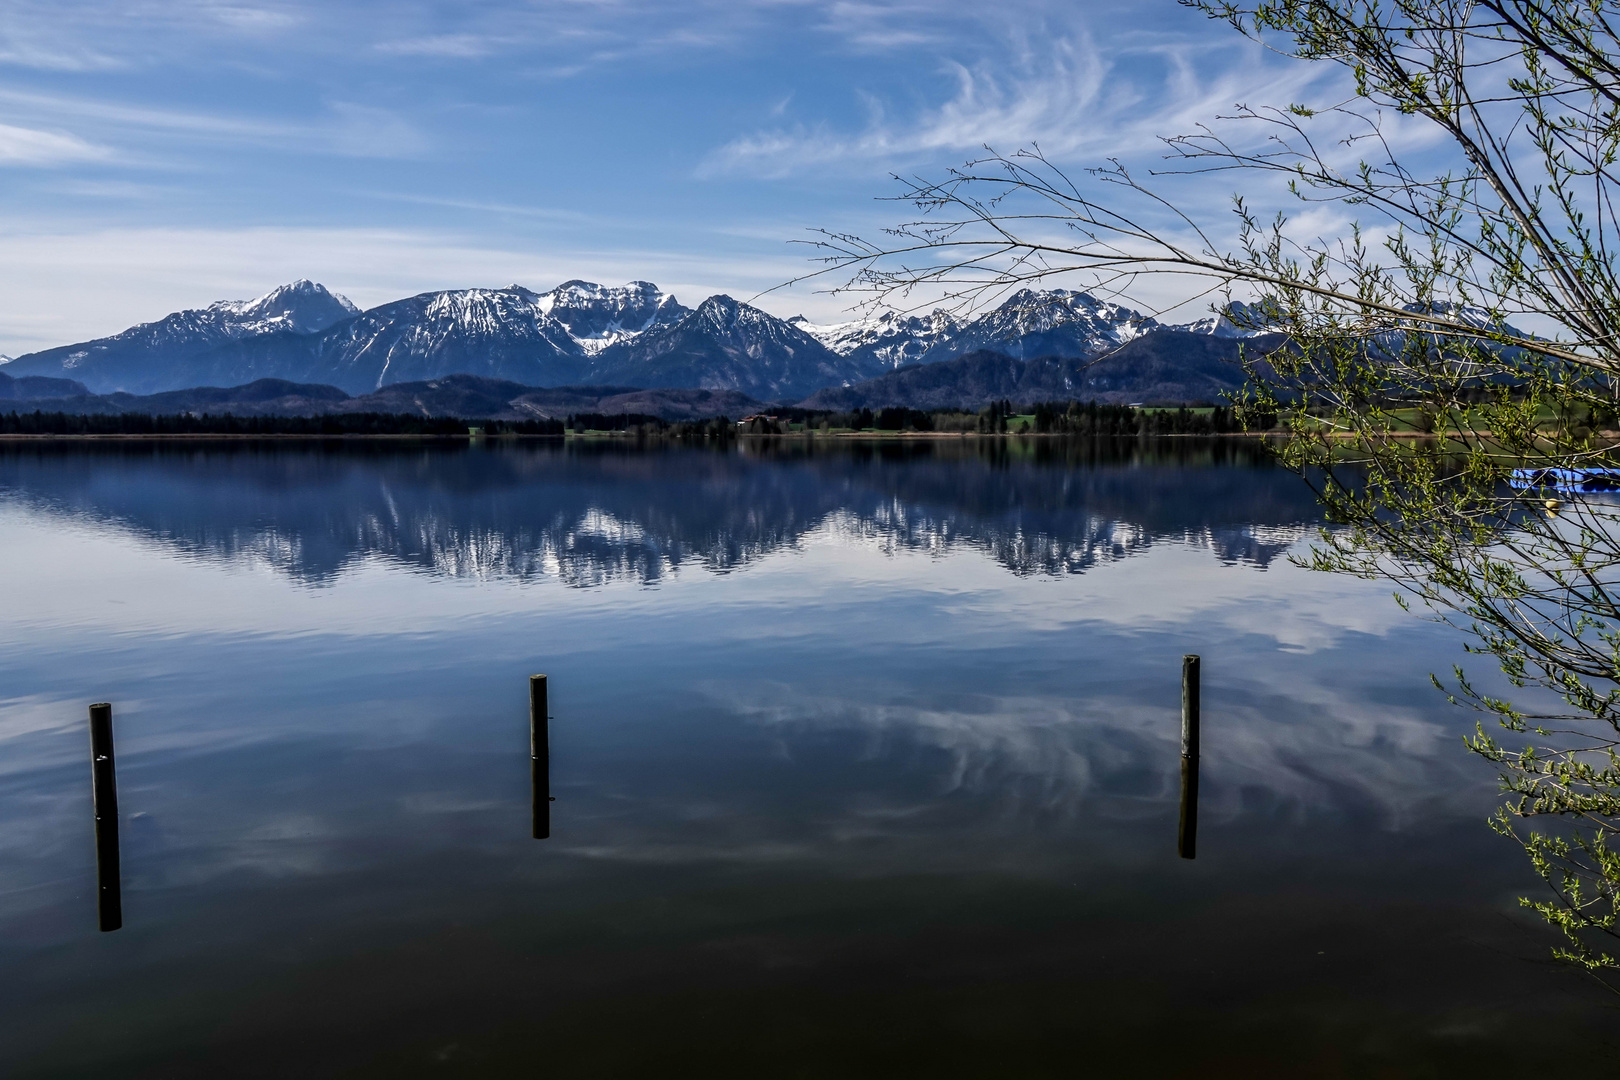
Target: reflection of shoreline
x=271 y=438
x=587 y=514
x=630 y=436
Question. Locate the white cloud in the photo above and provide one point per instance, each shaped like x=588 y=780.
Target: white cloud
x=986 y=108
x=346 y=128
x=117 y=115
x=880 y=27
x=560 y=37
x=366 y=131
x=453 y=46
x=254 y=19
x=27 y=146
x=1067 y=96
x=101 y=35
x=20 y=51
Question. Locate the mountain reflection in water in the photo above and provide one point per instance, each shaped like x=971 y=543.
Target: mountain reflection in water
x=877 y=778
x=591 y=513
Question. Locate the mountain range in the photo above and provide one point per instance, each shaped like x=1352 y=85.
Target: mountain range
x=582 y=334
x=1160 y=366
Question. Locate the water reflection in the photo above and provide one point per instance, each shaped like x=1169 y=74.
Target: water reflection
x=901 y=748
x=589 y=514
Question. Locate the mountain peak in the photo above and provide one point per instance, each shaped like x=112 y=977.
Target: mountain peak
x=303 y=290
x=597 y=316
x=726 y=313
x=304 y=306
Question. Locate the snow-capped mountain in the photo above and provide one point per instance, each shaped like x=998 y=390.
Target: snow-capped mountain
x=1216 y=326
x=1028 y=324
x=597 y=317
x=153 y=356
x=727 y=345
x=303 y=332
x=539 y=339
x=886 y=341
x=1251 y=322
x=497 y=333
x=578 y=333
x=302 y=308
x=1056 y=322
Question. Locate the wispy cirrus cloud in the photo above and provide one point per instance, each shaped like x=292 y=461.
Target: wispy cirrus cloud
x=26 y=52
x=555 y=38
x=256 y=18
x=31 y=147
x=344 y=128
x=863 y=24
x=445 y=46
x=987 y=108
x=1068 y=96
x=106 y=35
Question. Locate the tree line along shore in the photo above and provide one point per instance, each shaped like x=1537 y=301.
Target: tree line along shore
x=998 y=418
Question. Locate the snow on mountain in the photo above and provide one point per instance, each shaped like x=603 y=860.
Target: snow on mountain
x=1032 y=322
x=577 y=333
x=577 y=317
x=1214 y=326
x=1053 y=322
x=597 y=317
x=727 y=345
x=497 y=333
x=886 y=341
x=1029 y=323
x=154 y=356
x=539 y=339
x=302 y=307
x=302 y=331
x=1218 y=325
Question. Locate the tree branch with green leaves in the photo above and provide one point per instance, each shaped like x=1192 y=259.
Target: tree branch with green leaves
x=1458 y=333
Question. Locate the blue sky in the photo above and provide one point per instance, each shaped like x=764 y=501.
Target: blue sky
x=158 y=155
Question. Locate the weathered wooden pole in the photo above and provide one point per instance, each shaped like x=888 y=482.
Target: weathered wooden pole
x=540 y=757
x=104 y=798
x=1187 y=833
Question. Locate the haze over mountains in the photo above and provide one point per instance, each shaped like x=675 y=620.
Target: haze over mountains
x=581 y=334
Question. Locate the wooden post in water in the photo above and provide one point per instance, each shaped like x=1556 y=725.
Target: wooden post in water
x=104 y=798
x=540 y=757
x=1187 y=833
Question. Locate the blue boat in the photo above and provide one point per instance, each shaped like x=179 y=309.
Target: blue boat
x=1567 y=480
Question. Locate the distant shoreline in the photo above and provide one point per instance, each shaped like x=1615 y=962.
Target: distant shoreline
x=616 y=436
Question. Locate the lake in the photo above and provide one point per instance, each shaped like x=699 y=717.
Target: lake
x=865 y=758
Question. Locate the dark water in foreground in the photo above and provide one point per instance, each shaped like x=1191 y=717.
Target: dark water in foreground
x=865 y=763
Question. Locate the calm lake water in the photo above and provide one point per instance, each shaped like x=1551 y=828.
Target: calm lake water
x=865 y=761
